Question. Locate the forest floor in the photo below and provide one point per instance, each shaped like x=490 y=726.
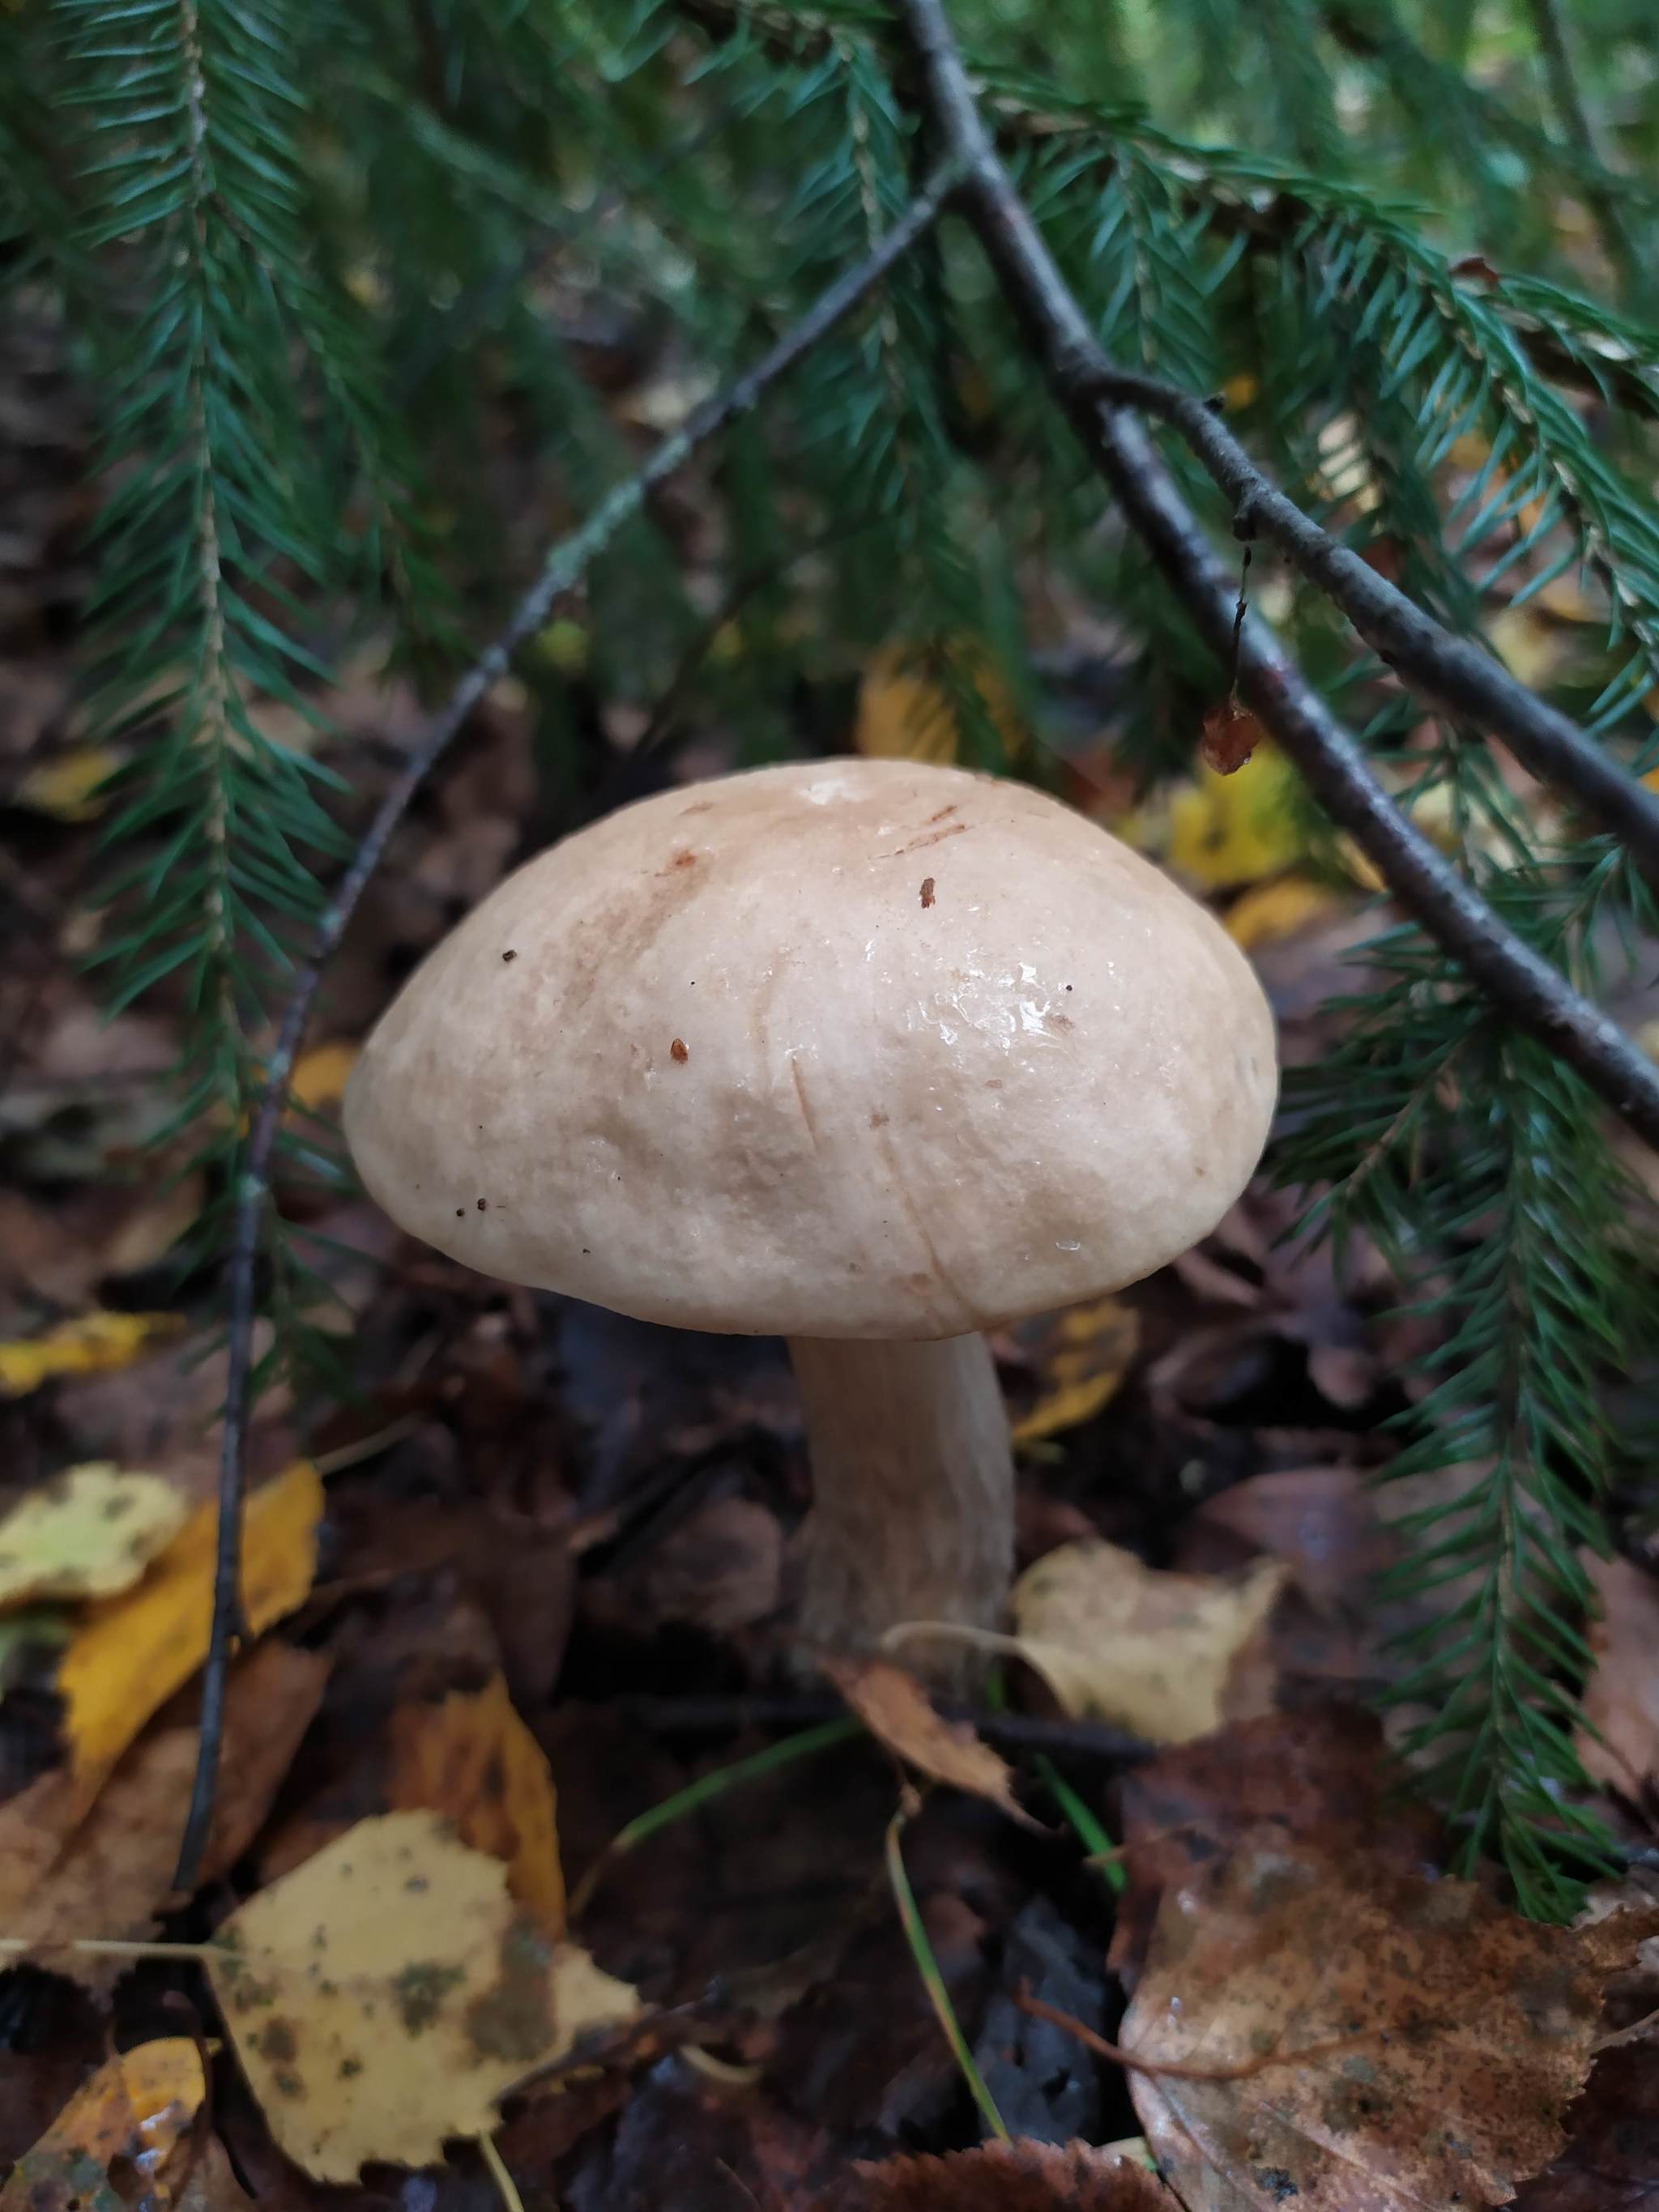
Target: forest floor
x=534 y=1578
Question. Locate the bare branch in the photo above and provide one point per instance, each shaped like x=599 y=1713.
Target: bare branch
x=1531 y=993
x=563 y=569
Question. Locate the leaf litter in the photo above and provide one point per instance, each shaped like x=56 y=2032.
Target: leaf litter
x=1377 y=2041
x=589 y=1623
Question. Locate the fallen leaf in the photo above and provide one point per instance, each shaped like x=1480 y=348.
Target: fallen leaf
x=386 y=1994
x=1167 y=1656
x=150 y=1231
x=320 y=1075
x=894 y=1707
x=1267 y=912
x=211 y=2184
x=1621 y=1746
x=90 y=1532
x=138 y=2108
x=89 y=1345
x=1226 y=829
x=1395 y=2042
x=136 y=1650
x=1612 y=2162
x=23 y=1635
x=1320 y=1776
x=110 y=1873
x=67 y=787
x=1007 y=2176
x=906 y=711
x=472 y=1759
x=1082 y=1354
x=1321 y=1521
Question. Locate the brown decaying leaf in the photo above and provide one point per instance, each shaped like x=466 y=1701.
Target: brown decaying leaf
x=1321 y=1777
x=386 y=1994
x=1231 y=734
x=1620 y=1747
x=894 y=1707
x=1432 y=2041
x=111 y=1874
x=472 y=1759
x=1007 y=2176
x=1169 y=1656
x=1612 y=2163
x=137 y=2107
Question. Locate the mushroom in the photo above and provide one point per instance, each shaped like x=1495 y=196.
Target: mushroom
x=867 y=1053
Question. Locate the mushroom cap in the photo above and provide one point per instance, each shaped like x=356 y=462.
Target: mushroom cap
x=844 y=1048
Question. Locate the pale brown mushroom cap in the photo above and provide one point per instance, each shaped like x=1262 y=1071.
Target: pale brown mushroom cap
x=850 y=1049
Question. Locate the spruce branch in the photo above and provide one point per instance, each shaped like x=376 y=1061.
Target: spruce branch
x=1573 y=119
x=561 y=571
x=1534 y=995
x=1452 y=672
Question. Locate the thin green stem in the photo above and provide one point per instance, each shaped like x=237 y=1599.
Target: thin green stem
x=928 y=1966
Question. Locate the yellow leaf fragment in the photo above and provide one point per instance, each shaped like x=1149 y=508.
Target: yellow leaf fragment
x=1227 y=830
x=91 y=1344
x=138 y=2108
x=136 y=1650
x=67 y=788
x=386 y=1993
x=90 y=1532
x=894 y=1707
x=1169 y=1656
x=320 y=1075
x=1269 y=912
x=473 y=1760
x=1090 y=1350
x=906 y=711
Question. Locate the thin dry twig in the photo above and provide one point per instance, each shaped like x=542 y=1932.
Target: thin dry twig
x=563 y=569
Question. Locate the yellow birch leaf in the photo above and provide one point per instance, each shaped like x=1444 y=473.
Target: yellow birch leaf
x=473 y=1760
x=1167 y=1656
x=90 y=1532
x=90 y=1344
x=1236 y=829
x=320 y=1075
x=138 y=2108
x=136 y=1650
x=1269 y=912
x=67 y=788
x=385 y=1995
x=1089 y=1350
x=905 y=713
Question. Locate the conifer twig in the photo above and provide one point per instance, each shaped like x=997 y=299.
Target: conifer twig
x=1533 y=995
x=1581 y=134
x=1452 y=672
x=563 y=568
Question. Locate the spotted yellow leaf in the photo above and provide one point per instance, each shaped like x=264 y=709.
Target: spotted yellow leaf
x=383 y=1996
x=137 y=2112
x=90 y=1532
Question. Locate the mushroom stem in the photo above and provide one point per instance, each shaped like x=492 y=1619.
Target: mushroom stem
x=913 y=1476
